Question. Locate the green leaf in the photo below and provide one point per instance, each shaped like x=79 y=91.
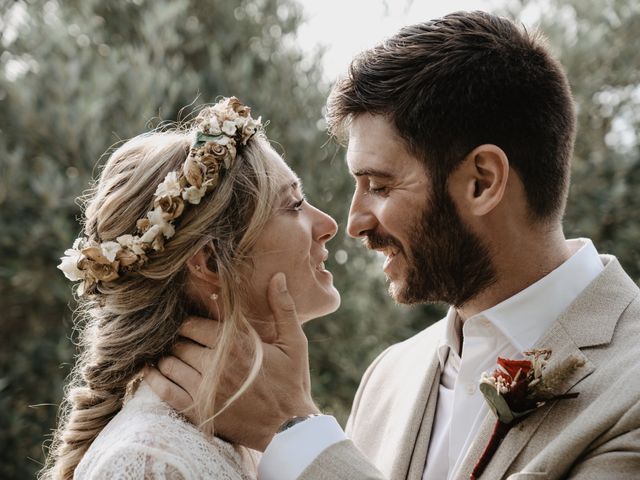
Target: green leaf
x=202 y=137
x=497 y=403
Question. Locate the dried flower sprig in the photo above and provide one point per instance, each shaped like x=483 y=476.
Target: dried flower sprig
x=221 y=130
x=516 y=389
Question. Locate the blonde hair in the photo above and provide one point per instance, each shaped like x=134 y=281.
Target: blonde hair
x=134 y=320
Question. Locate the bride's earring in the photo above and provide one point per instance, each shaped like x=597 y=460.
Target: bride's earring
x=213 y=296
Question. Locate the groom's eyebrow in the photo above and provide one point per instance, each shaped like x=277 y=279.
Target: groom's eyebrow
x=371 y=172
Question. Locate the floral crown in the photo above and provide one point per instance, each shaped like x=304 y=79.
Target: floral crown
x=221 y=130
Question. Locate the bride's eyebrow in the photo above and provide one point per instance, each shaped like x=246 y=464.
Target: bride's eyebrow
x=296 y=185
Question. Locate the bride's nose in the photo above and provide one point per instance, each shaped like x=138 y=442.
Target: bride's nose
x=324 y=226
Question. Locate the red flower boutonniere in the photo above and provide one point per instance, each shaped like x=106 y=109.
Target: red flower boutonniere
x=517 y=388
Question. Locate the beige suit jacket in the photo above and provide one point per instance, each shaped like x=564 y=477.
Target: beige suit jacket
x=595 y=436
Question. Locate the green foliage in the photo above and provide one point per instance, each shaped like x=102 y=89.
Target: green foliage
x=77 y=77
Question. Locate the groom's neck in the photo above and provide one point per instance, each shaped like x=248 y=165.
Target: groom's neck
x=519 y=262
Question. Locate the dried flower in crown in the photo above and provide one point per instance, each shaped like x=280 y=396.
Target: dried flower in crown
x=221 y=130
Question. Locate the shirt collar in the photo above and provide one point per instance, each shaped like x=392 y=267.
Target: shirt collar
x=525 y=316
x=452 y=337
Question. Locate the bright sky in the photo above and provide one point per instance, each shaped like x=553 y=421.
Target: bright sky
x=345 y=27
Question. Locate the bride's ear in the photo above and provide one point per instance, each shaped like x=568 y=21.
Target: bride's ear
x=199 y=267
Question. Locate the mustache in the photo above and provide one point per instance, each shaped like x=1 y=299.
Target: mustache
x=374 y=240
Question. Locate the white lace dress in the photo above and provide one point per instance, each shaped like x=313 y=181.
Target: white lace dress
x=148 y=440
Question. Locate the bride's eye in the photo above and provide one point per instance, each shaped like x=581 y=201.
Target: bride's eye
x=297 y=206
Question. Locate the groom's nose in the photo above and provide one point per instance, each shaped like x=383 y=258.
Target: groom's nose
x=361 y=218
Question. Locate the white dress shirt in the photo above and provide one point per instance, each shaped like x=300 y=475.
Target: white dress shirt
x=505 y=330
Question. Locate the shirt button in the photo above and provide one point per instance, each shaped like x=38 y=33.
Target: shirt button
x=471 y=388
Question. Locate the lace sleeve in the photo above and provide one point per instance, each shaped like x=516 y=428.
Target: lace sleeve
x=135 y=463
x=147 y=440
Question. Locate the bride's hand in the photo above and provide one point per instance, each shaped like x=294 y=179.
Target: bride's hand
x=280 y=391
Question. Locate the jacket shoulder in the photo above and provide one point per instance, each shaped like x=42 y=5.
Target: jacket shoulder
x=422 y=344
x=389 y=371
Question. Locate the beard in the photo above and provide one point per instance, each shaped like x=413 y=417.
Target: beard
x=446 y=261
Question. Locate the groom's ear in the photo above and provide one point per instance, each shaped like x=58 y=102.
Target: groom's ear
x=200 y=266
x=478 y=184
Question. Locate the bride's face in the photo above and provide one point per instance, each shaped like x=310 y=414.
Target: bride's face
x=294 y=242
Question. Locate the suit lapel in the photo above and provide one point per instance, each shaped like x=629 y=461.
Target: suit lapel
x=421 y=446
x=414 y=429
x=589 y=321
x=386 y=421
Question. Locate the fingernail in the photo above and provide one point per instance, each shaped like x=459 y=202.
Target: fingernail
x=281 y=282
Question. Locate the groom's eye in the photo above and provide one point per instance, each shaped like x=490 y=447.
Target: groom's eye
x=378 y=189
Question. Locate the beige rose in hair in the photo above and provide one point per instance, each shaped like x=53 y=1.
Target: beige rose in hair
x=243 y=111
x=217 y=150
x=143 y=225
x=212 y=162
x=209 y=161
x=98 y=265
x=193 y=171
x=106 y=272
x=239 y=107
x=171 y=206
x=127 y=258
x=220 y=152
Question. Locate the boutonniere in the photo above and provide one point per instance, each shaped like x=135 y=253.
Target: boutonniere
x=516 y=389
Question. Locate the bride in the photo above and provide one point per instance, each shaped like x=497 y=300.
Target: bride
x=191 y=222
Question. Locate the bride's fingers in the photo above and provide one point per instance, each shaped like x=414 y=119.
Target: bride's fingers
x=201 y=330
x=192 y=354
x=180 y=373
x=206 y=332
x=168 y=391
x=289 y=331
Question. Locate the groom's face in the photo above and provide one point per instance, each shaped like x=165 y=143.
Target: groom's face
x=432 y=256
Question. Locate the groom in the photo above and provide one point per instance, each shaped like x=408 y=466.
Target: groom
x=460 y=135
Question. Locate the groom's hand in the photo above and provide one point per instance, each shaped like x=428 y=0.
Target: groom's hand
x=280 y=391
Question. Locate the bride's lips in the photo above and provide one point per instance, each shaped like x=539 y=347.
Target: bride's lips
x=320 y=266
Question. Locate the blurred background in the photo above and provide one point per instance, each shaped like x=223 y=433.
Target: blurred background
x=78 y=76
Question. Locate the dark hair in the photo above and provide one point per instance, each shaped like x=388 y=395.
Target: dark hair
x=467 y=79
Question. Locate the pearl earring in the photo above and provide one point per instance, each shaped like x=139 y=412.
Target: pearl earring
x=213 y=296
